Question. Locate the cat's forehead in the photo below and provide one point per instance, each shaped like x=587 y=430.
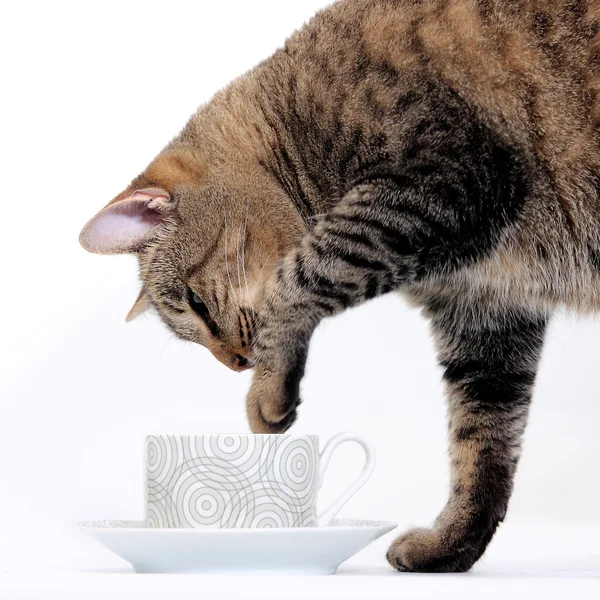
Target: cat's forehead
x=174 y=168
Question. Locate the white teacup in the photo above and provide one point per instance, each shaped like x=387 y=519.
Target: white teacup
x=242 y=481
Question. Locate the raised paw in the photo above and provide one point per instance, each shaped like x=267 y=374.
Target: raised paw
x=428 y=551
x=271 y=403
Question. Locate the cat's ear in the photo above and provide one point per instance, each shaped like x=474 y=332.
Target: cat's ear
x=125 y=225
x=142 y=304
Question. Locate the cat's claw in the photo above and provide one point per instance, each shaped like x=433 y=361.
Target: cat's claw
x=424 y=551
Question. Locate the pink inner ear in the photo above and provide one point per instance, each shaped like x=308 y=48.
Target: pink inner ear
x=121 y=227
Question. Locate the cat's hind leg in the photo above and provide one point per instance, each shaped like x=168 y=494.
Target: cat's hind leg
x=490 y=357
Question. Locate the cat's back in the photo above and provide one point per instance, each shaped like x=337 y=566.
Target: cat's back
x=530 y=66
x=531 y=71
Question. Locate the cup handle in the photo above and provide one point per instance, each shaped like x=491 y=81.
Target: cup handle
x=326 y=516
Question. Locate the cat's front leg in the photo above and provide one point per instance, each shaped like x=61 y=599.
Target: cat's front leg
x=337 y=265
x=490 y=358
x=303 y=291
x=285 y=324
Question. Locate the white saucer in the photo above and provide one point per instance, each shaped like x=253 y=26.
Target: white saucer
x=298 y=551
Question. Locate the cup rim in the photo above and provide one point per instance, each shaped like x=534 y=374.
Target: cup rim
x=275 y=435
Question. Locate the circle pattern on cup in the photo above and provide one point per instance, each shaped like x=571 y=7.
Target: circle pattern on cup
x=226 y=481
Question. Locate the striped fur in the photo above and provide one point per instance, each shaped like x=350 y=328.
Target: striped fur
x=448 y=150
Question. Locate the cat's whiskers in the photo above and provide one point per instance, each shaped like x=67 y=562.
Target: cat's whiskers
x=248 y=304
x=227 y=262
x=237 y=258
x=316 y=217
x=259 y=279
x=169 y=339
x=265 y=263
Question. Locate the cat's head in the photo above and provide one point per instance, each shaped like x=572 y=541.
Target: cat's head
x=207 y=238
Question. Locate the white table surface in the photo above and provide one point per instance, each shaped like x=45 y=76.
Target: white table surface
x=524 y=561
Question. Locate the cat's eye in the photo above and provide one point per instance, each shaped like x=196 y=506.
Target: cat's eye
x=199 y=307
x=202 y=311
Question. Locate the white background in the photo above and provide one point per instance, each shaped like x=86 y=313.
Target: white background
x=90 y=93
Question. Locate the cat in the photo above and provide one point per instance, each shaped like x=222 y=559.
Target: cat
x=448 y=150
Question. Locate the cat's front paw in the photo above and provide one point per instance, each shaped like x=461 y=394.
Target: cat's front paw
x=425 y=551
x=271 y=404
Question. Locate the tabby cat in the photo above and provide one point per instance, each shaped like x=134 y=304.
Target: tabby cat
x=445 y=149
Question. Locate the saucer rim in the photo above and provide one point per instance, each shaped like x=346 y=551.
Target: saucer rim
x=345 y=525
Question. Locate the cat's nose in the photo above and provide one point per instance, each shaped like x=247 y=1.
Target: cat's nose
x=240 y=363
